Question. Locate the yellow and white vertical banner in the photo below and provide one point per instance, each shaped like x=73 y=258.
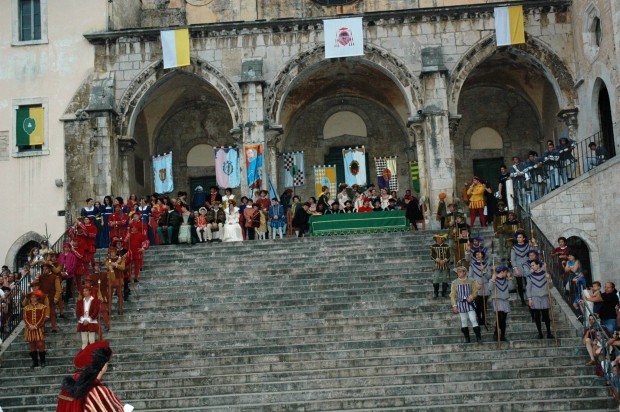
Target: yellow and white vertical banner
x=175 y=47
x=509 y=25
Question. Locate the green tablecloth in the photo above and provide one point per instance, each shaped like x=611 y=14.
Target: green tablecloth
x=348 y=223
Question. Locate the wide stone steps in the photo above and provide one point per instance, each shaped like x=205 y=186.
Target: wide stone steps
x=337 y=323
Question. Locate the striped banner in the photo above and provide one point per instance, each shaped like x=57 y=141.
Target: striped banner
x=175 y=47
x=415 y=176
x=29 y=126
x=509 y=25
x=324 y=176
x=227 y=168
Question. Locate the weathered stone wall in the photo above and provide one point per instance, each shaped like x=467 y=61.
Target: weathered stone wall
x=586 y=208
x=124 y=15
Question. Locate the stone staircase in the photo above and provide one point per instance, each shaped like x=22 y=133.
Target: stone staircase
x=315 y=324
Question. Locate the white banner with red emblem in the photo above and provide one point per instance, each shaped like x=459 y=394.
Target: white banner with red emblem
x=343 y=37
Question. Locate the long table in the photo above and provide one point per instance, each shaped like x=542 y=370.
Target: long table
x=352 y=223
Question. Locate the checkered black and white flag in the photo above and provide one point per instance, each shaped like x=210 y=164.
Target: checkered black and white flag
x=294 y=174
x=387 y=175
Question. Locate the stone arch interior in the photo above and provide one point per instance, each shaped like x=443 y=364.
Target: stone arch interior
x=345 y=104
x=21 y=258
x=511 y=95
x=582 y=253
x=180 y=112
x=606 y=120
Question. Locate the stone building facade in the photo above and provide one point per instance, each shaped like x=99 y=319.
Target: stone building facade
x=432 y=87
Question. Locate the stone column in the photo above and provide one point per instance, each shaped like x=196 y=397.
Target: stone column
x=416 y=133
x=125 y=148
x=569 y=117
x=437 y=144
x=252 y=116
x=274 y=135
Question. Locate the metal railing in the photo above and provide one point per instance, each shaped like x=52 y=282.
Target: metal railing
x=11 y=313
x=559 y=164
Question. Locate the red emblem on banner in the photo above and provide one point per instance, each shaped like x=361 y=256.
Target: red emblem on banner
x=344 y=37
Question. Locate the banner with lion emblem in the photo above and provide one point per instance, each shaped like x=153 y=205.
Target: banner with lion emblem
x=354 y=166
x=162 y=173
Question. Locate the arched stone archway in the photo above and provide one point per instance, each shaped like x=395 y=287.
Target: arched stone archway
x=304 y=63
x=592 y=247
x=17 y=246
x=534 y=50
x=136 y=94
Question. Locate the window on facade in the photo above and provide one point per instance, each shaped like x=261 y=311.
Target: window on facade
x=29 y=128
x=598 y=32
x=29 y=20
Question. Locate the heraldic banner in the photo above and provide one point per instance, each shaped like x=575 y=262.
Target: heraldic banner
x=343 y=37
x=227 y=168
x=415 y=176
x=294 y=174
x=386 y=173
x=325 y=176
x=354 y=166
x=254 y=165
x=162 y=173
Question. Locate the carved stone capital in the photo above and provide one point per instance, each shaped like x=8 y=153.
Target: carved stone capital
x=454 y=120
x=569 y=117
x=126 y=145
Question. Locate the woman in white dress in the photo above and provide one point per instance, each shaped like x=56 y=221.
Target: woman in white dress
x=232 y=228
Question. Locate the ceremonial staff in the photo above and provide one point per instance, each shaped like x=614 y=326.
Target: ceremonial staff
x=555 y=332
x=494 y=280
x=484 y=297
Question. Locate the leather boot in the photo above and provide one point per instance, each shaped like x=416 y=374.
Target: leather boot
x=477 y=332
x=42 y=357
x=466 y=334
x=444 y=290
x=436 y=289
x=35 y=360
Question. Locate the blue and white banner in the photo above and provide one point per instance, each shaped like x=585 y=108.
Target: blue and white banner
x=273 y=192
x=227 y=167
x=254 y=165
x=354 y=166
x=343 y=37
x=162 y=173
x=294 y=174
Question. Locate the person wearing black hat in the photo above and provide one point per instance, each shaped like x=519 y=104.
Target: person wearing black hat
x=391 y=205
x=498 y=290
x=34 y=316
x=462 y=296
x=84 y=391
x=440 y=253
x=477 y=244
x=348 y=207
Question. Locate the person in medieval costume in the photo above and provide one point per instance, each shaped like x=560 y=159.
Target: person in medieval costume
x=462 y=295
x=498 y=290
x=538 y=284
x=440 y=253
x=34 y=316
x=480 y=273
x=84 y=391
x=519 y=255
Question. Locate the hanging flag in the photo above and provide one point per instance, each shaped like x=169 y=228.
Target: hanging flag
x=325 y=176
x=354 y=166
x=294 y=174
x=175 y=47
x=415 y=176
x=162 y=173
x=273 y=192
x=387 y=177
x=509 y=25
x=227 y=168
x=254 y=165
x=343 y=37
x=29 y=130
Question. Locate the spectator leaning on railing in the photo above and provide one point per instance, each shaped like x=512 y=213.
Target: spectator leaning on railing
x=609 y=301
